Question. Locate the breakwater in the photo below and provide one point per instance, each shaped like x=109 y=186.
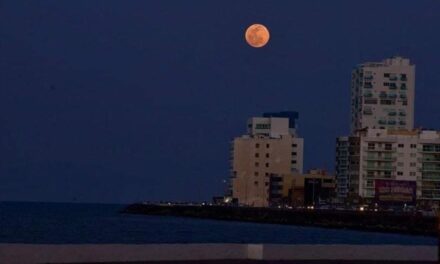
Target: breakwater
x=413 y=224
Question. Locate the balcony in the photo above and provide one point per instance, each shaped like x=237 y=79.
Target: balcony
x=370 y=100
x=379 y=168
x=430 y=169
x=387 y=102
x=430 y=158
x=377 y=158
x=402 y=114
x=403 y=78
x=392 y=122
x=368 y=85
x=377 y=149
x=383 y=95
x=392 y=113
x=430 y=150
x=431 y=178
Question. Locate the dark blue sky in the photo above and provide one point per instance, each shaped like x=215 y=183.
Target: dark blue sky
x=118 y=101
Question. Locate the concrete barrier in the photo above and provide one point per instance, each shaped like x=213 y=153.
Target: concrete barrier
x=350 y=252
x=29 y=253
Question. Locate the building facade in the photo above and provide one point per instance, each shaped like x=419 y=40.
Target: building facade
x=395 y=155
x=382 y=95
x=269 y=150
x=347 y=166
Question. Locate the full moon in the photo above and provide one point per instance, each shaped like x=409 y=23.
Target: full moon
x=257 y=35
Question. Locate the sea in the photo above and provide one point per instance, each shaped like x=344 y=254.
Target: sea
x=74 y=223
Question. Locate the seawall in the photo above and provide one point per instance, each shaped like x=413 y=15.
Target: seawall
x=367 y=221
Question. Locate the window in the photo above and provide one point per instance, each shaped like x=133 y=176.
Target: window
x=267 y=145
x=267 y=165
x=256 y=173
x=400 y=145
x=412 y=164
x=388 y=146
x=257 y=145
x=257 y=164
x=412 y=173
x=294 y=145
x=413 y=145
x=386 y=75
x=399 y=173
x=370 y=145
x=267 y=155
x=293 y=161
x=256 y=183
x=293 y=153
x=257 y=155
x=262 y=126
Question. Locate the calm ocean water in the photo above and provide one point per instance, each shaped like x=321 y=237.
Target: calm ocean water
x=96 y=223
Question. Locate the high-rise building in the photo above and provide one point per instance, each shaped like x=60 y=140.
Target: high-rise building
x=382 y=98
x=382 y=95
x=347 y=165
x=269 y=150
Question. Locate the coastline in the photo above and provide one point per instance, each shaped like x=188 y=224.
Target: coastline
x=364 y=221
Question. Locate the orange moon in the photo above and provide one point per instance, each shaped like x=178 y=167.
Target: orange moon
x=257 y=35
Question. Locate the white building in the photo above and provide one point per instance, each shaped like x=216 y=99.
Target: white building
x=390 y=155
x=382 y=95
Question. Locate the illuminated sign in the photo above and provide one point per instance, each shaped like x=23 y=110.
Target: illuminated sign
x=395 y=192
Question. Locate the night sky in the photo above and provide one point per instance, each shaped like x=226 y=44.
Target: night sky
x=121 y=101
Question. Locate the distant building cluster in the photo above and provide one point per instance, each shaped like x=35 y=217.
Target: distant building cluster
x=384 y=148
x=384 y=159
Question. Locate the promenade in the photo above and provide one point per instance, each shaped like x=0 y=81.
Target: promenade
x=215 y=253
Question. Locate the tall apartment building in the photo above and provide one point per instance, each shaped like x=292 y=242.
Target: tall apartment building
x=270 y=149
x=382 y=98
x=347 y=165
x=429 y=164
x=382 y=95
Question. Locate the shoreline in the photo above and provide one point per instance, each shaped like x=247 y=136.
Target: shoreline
x=352 y=220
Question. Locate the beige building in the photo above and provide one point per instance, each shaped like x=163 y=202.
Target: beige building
x=312 y=188
x=259 y=158
x=382 y=95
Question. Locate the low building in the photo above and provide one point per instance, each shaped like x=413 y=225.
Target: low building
x=313 y=188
